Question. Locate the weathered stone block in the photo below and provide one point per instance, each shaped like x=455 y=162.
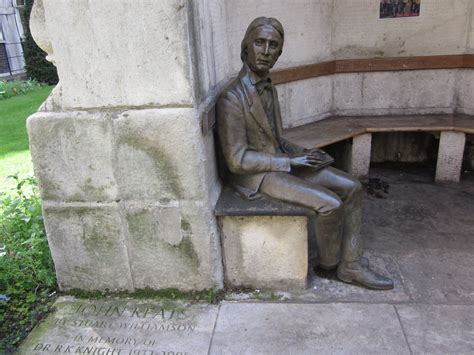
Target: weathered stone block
x=88 y=246
x=265 y=251
x=166 y=251
x=160 y=155
x=72 y=156
x=139 y=63
x=450 y=156
x=166 y=179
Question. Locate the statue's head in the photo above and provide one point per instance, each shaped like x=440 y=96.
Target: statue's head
x=262 y=44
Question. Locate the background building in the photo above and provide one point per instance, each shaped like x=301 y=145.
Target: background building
x=12 y=62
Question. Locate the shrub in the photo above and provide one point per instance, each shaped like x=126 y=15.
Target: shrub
x=27 y=275
x=37 y=67
x=17 y=87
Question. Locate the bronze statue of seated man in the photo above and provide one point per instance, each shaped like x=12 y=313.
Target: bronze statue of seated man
x=260 y=161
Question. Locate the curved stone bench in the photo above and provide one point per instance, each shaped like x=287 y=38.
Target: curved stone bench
x=331 y=130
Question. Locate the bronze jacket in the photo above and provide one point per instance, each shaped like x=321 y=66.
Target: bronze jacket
x=248 y=144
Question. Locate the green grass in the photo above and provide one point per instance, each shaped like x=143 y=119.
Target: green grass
x=14 y=152
x=26 y=269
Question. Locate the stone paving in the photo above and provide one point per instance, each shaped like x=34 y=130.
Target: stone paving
x=419 y=233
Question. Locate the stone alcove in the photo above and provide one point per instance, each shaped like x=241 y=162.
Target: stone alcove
x=129 y=179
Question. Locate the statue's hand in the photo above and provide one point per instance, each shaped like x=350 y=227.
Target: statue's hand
x=305 y=160
x=316 y=151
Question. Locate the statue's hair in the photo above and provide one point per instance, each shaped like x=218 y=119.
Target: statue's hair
x=260 y=21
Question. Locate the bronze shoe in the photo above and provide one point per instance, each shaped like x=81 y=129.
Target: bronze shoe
x=358 y=274
x=364 y=262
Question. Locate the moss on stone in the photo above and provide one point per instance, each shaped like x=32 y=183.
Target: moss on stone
x=99 y=228
x=78 y=293
x=137 y=225
x=92 y=191
x=170 y=294
x=163 y=164
x=97 y=242
x=185 y=225
x=186 y=248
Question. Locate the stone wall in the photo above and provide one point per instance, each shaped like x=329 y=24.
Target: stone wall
x=378 y=93
x=441 y=28
x=324 y=30
x=127 y=179
x=465 y=92
x=470 y=36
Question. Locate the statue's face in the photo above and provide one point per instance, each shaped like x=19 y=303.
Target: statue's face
x=263 y=49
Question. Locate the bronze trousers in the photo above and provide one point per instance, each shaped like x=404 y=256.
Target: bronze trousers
x=336 y=197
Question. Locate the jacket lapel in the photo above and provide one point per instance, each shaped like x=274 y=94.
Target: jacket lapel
x=256 y=108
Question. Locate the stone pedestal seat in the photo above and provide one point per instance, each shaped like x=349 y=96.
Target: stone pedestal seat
x=264 y=242
x=331 y=130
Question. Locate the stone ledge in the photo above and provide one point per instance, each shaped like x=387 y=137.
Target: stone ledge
x=231 y=203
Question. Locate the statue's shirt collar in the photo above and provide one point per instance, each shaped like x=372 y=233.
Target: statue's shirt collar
x=260 y=82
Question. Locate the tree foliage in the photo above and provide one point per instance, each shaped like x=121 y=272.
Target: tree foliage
x=37 y=67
